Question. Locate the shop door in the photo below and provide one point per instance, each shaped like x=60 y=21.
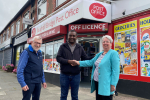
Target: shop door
x=92 y=46
x=7 y=56
x=1 y=58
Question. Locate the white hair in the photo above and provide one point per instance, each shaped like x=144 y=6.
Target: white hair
x=37 y=37
x=108 y=37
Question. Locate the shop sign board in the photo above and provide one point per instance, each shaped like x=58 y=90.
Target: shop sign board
x=5 y=43
x=95 y=27
x=21 y=38
x=125 y=43
x=54 y=31
x=87 y=9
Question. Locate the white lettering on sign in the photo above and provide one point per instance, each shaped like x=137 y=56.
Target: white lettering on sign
x=84 y=27
x=98 y=10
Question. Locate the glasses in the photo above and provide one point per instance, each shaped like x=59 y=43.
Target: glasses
x=37 y=43
x=106 y=41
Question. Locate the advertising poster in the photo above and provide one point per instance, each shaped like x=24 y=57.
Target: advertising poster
x=51 y=65
x=145 y=46
x=125 y=43
x=48 y=64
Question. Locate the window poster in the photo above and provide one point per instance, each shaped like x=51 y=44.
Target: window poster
x=125 y=43
x=145 y=46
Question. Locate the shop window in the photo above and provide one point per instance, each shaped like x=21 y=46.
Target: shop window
x=59 y=2
x=41 y=9
x=26 y=46
x=7 y=34
x=51 y=50
x=17 y=27
x=26 y=15
x=12 y=30
x=19 y=49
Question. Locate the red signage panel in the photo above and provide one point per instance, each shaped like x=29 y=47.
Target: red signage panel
x=52 y=32
x=94 y=27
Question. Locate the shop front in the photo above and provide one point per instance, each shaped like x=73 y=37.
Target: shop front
x=90 y=38
x=19 y=44
x=132 y=41
x=6 y=53
x=91 y=24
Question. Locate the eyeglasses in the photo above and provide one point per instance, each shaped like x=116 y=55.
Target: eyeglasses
x=37 y=43
x=106 y=42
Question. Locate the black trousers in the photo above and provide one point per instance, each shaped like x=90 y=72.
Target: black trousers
x=34 y=90
x=100 y=97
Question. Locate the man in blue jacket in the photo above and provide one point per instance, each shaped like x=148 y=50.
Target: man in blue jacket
x=70 y=76
x=30 y=72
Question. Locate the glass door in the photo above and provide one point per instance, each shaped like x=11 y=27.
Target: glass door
x=91 y=46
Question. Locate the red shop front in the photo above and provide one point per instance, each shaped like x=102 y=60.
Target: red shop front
x=132 y=41
x=90 y=38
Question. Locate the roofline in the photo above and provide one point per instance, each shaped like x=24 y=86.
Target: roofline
x=19 y=13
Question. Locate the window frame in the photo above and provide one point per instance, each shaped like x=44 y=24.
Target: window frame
x=7 y=33
x=59 y=4
x=4 y=34
x=17 y=26
x=27 y=18
x=12 y=32
x=39 y=5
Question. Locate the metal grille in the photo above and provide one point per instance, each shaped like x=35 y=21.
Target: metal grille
x=1 y=58
x=7 y=56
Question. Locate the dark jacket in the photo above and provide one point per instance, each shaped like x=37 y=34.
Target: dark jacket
x=64 y=54
x=30 y=67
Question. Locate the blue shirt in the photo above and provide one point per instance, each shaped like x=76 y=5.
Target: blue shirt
x=22 y=64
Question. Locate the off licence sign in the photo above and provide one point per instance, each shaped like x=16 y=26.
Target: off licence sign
x=96 y=27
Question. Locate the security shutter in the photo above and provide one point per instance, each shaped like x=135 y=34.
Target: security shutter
x=1 y=58
x=7 y=56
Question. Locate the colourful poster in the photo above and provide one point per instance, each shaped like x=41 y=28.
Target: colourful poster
x=145 y=46
x=51 y=65
x=125 y=42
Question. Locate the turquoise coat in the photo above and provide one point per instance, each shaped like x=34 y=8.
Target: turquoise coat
x=108 y=72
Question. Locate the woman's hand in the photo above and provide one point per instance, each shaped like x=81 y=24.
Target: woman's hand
x=112 y=88
x=73 y=62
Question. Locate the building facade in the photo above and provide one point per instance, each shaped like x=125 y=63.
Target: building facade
x=128 y=25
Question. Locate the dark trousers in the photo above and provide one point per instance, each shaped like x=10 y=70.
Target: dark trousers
x=65 y=82
x=100 y=97
x=34 y=89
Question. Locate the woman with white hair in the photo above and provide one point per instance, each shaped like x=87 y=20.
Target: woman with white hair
x=105 y=71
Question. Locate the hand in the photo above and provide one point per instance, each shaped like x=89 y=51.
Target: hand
x=72 y=62
x=112 y=88
x=77 y=62
x=25 y=88
x=44 y=85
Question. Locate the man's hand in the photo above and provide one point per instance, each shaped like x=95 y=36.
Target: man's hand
x=72 y=62
x=44 y=85
x=112 y=88
x=25 y=88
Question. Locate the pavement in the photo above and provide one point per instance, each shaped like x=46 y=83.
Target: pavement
x=11 y=90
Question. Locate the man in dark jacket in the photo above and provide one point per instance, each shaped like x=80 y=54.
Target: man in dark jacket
x=30 y=72
x=70 y=76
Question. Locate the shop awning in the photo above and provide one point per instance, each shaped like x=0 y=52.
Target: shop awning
x=58 y=30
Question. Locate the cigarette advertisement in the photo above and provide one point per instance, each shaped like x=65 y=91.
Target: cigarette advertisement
x=145 y=46
x=125 y=43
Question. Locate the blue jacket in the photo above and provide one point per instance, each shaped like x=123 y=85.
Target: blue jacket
x=30 y=67
x=108 y=72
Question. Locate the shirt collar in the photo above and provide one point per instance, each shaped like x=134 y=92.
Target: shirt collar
x=31 y=49
x=71 y=45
